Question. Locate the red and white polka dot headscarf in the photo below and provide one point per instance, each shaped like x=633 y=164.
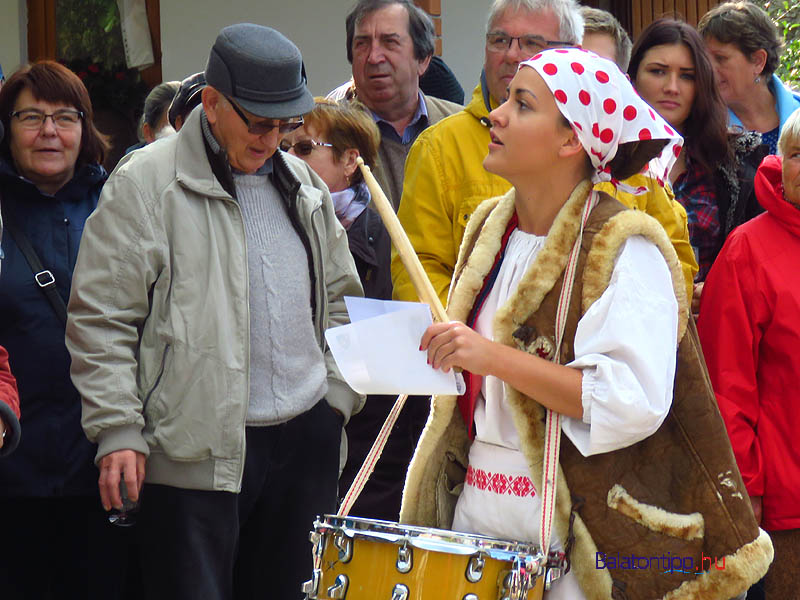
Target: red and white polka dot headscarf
x=604 y=110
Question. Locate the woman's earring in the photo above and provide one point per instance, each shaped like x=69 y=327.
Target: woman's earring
x=757 y=79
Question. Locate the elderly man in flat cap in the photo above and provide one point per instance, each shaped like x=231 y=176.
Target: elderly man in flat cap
x=203 y=286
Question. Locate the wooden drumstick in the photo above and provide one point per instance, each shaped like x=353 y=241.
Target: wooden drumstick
x=425 y=292
x=404 y=248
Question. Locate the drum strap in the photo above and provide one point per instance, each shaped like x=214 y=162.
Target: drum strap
x=375 y=452
x=552 y=442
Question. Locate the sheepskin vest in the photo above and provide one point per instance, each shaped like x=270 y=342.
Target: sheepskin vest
x=667 y=517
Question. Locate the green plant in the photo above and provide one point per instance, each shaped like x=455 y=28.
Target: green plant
x=89 y=42
x=89 y=30
x=786 y=15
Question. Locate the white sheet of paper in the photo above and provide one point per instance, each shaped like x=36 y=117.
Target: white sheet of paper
x=365 y=308
x=378 y=353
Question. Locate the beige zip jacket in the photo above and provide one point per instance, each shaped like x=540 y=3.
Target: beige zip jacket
x=158 y=326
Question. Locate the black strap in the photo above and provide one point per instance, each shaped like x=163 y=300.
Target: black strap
x=44 y=277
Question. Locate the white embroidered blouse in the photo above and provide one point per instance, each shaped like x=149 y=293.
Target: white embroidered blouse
x=625 y=345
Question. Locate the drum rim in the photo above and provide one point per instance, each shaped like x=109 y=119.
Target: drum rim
x=427 y=538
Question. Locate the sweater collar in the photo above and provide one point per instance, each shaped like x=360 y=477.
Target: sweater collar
x=769 y=191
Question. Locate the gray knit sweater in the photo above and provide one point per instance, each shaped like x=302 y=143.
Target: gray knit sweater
x=287 y=369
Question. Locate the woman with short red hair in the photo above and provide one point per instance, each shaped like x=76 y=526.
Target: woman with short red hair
x=54 y=531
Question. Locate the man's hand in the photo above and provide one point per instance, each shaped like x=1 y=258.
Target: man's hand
x=122 y=463
x=755 y=501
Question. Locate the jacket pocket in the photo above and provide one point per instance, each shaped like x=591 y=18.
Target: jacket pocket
x=193 y=414
x=465 y=210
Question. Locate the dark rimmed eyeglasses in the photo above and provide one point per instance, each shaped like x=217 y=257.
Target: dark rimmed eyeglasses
x=498 y=41
x=33 y=118
x=303 y=147
x=262 y=127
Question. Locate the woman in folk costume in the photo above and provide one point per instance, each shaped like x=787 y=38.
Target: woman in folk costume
x=567 y=312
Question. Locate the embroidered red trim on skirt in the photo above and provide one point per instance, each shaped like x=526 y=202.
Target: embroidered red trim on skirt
x=500 y=483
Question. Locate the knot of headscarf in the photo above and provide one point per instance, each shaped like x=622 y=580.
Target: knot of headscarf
x=604 y=111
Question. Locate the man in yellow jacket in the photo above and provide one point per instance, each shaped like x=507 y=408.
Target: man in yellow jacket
x=444 y=176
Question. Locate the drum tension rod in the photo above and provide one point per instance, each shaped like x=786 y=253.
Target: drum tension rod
x=338 y=591
x=475 y=569
x=400 y=592
x=405 y=558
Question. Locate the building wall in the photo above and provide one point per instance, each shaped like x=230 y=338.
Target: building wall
x=463 y=31
x=188 y=30
x=317 y=28
x=13 y=35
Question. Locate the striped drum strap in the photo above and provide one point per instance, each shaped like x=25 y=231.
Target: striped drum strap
x=368 y=466
x=552 y=444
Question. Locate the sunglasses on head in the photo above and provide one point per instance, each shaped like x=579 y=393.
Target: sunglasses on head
x=303 y=147
x=262 y=127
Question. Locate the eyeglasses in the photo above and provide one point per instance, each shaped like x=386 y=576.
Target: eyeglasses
x=303 y=147
x=34 y=119
x=262 y=127
x=530 y=44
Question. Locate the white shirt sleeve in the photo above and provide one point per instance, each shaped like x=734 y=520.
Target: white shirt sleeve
x=626 y=346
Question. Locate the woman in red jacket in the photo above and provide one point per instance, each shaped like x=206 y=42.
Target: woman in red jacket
x=9 y=407
x=9 y=397
x=749 y=328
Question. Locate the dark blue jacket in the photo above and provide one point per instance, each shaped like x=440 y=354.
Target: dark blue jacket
x=54 y=458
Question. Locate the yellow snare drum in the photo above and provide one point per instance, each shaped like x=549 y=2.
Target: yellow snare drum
x=366 y=559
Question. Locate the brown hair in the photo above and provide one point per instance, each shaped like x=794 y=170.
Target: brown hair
x=746 y=26
x=706 y=127
x=631 y=157
x=52 y=82
x=420 y=25
x=346 y=125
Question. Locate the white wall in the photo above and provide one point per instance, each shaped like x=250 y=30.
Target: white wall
x=188 y=31
x=463 y=30
x=13 y=35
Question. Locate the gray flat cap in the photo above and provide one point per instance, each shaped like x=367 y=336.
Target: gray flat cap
x=261 y=70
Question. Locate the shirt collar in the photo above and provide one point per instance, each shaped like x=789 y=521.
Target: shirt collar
x=418 y=122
